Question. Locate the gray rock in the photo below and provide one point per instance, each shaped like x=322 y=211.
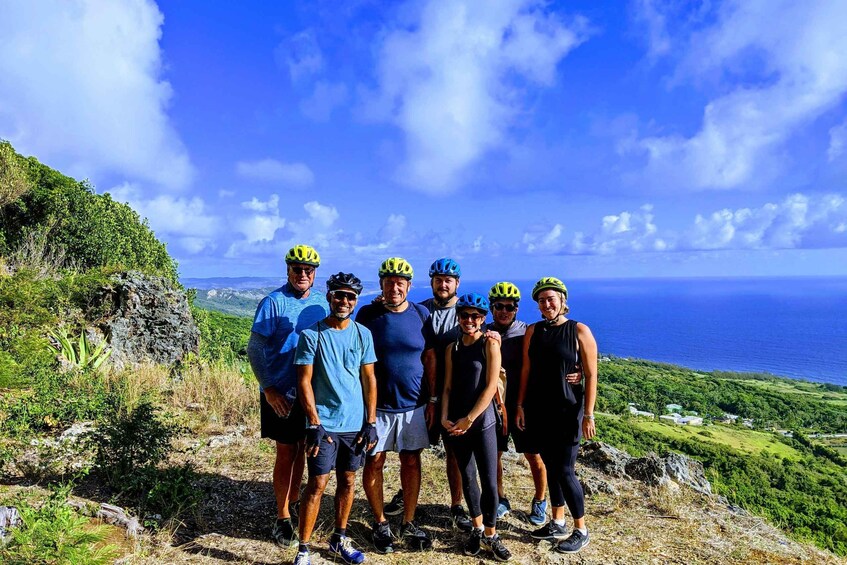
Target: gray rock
x=146 y=319
x=592 y=486
x=606 y=458
x=649 y=469
x=687 y=471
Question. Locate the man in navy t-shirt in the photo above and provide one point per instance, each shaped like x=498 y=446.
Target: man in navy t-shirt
x=405 y=388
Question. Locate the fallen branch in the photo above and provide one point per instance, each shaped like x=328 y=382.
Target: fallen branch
x=110 y=514
x=659 y=516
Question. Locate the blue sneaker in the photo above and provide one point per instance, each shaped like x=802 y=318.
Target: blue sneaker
x=538 y=515
x=343 y=548
x=302 y=558
x=503 y=508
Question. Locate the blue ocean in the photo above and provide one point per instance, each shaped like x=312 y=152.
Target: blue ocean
x=792 y=327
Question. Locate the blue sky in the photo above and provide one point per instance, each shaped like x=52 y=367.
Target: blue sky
x=576 y=139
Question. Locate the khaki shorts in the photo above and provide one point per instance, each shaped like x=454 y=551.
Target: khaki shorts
x=401 y=431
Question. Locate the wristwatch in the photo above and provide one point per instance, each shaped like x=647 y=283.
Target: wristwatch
x=433 y=399
x=590 y=417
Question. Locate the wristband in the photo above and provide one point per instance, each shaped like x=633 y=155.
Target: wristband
x=590 y=417
x=433 y=399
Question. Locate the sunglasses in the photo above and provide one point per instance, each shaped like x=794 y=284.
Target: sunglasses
x=301 y=270
x=340 y=295
x=471 y=316
x=499 y=306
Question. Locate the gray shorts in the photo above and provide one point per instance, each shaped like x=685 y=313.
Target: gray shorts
x=401 y=431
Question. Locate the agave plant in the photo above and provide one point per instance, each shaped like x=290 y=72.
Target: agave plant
x=79 y=355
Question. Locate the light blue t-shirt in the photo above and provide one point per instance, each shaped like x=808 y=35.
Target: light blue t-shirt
x=280 y=317
x=336 y=357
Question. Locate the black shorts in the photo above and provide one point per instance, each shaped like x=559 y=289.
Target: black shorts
x=283 y=430
x=342 y=454
x=523 y=442
x=435 y=430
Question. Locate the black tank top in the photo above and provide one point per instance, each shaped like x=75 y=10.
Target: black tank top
x=468 y=383
x=553 y=354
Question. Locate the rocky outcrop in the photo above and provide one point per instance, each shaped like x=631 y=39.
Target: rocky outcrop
x=606 y=458
x=649 y=470
x=687 y=471
x=145 y=319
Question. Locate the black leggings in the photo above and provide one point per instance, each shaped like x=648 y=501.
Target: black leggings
x=479 y=447
x=559 y=459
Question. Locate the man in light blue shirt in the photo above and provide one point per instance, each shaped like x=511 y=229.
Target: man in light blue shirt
x=337 y=389
x=280 y=318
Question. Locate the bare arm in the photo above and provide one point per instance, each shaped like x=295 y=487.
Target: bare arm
x=306 y=394
x=588 y=358
x=366 y=373
x=448 y=385
x=520 y=419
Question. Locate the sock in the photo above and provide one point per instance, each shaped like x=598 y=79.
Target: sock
x=339 y=533
x=283 y=520
x=583 y=531
x=303 y=547
x=560 y=522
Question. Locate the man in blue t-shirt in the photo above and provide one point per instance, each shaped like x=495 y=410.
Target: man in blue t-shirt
x=280 y=318
x=337 y=389
x=405 y=385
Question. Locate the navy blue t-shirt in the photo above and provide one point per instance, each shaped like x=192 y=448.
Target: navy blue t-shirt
x=399 y=342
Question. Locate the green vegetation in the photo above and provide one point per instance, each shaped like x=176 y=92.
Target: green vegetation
x=770 y=401
x=54 y=533
x=797 y=487
x=222 y=337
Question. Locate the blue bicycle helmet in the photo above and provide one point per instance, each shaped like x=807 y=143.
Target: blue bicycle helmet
x=473 y=300
x=445 y=266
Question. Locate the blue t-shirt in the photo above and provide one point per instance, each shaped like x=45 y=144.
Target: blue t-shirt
x=399 y=342
x=336 y=357
x=442 y=328
x=280 y=317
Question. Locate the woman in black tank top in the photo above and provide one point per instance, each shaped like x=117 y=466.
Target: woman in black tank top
x=556 y=405
x=472 y=370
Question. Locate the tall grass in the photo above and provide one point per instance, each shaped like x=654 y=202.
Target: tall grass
x=220 y=391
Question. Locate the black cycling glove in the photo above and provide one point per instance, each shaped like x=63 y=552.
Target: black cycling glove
x=315 y=435
x=366 y=436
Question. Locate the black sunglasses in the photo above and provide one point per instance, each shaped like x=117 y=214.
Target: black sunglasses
x=471 y=316
x=301 y=270
x=499 y=306
x=341 y=295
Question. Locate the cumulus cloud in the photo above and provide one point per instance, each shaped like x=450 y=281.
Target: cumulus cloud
x=798 y=222
x=262 y=225
x=182 y=219
x=449 y=80
x=296 y=175
x=81 y=87
x=784 y=60
x=300 y=54
x=326 y=97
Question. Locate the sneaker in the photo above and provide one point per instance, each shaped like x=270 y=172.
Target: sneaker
x=550 y=531
x=382 y=537
x=495 y=545
x=284 y=534
x=461 y=520
x=415 y=537
x=503 y=508
x=302 y=558
x=294 y=508
x=343 y=548
x=574 y=543
x=538 y=514
x=472 y=546
x=395 y=507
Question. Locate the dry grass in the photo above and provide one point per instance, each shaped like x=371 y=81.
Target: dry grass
x=144 y=381
x=219 y=392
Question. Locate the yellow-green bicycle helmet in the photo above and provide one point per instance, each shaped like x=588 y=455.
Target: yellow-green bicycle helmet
x=549 y=283
x=304 y=254
x=396 y=267
x=504 y=290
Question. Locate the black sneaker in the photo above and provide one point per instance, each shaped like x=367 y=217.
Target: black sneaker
x=383 y=539
x=550 y=531
x=395 y=507
x=473 y=545
x=415 y=537
x=576 y=541
x=495 y=545
x=461 y=520
x=284 y=534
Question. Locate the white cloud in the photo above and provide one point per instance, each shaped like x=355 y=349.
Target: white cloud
x=654 y=20
x=393 y=228
x=325 y=98
x=185 y=220
x=300 y=54
x=272 y=205
x=297 y=175
x=837 y=141
x=263 y=225
x=791 y=54
x=81 y=87
x=447 y=82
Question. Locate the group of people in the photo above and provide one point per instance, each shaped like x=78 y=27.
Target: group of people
x=338 y=394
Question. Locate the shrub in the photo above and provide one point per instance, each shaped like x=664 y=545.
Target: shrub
x=54 y=533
